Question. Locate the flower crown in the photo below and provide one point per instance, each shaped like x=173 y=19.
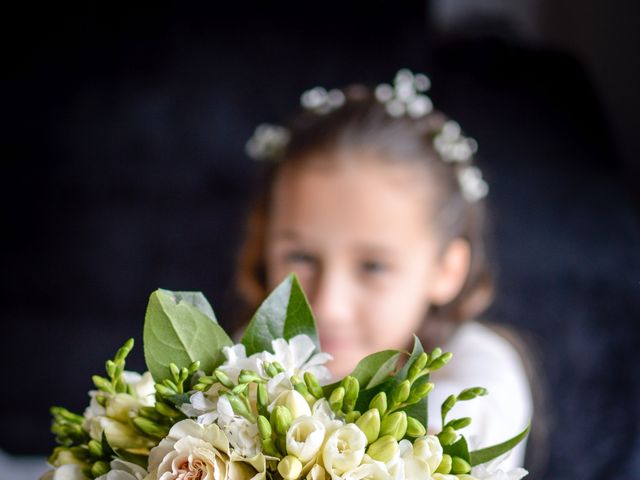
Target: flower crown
x=405 y=97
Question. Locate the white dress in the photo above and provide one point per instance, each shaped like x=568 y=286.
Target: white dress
x=483 y=358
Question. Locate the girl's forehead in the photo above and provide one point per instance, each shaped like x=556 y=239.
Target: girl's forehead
x=370 y=203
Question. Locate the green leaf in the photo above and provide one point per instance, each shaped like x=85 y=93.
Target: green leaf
x=197 y=299
x=459 y=448
x=176 y=330
x=417 y=410
x=486 y=454
x=285 y=313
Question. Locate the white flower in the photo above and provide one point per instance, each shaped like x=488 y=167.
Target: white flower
x=317 y=473
x=243 y=435
x=203 y=405
x=492 y=471
x=305 y=437
x=113 y=418
x=199 y=451
x=121 y=470
x=344 y=450
x=369 y=470
x=237 y=360
x=296 y=357
x=69 y=471
x=420 y=458
x=294 y=401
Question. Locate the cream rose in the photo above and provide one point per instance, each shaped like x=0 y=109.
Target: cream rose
x=200 y=452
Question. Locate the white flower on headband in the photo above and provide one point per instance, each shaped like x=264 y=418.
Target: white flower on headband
x=406 y=95
x=267 y=142
x=320 y=101
x=472 y=184
x=455 y=148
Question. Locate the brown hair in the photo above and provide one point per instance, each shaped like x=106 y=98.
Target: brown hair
x=362 y=123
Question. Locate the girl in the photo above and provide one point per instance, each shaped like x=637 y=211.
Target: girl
x=372 y=199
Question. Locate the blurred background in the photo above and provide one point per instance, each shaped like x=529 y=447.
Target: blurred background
x=124 y=171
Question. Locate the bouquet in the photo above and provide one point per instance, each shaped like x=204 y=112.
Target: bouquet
x=207 y=409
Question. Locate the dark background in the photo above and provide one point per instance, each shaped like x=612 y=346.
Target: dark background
x=124 y=171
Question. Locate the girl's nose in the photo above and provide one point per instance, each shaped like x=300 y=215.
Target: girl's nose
x=332 y=300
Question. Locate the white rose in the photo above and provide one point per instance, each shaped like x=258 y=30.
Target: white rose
x=192 y=450
x=344 y=450
x=420 y=458
x=305 y=437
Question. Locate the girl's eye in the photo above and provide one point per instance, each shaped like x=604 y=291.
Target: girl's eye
x=372 y=266
x=299 y=257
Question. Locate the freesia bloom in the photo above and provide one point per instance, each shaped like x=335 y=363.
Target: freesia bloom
x=294 y=401
x=344 y=450
x=305 y=437
x=194 y=451
x=420 y=458
x=112 y=419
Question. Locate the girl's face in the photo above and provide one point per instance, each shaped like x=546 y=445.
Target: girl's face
x=358 y=237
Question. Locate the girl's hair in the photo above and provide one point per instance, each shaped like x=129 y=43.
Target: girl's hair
x=362 y=124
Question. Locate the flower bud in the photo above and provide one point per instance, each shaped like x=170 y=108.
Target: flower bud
x=336 y=398
x=262 y=397
x=471 y=393
x=166 y=410
x=295 y=402
x=164 y=391
x=281 y=419
x=351 y=392
x=100 y=468
x=352 y=416
x=175 y=371
x=312 y=385
x=240 y=407
x=435 y=354
x=369 y=423
x=415 y=428
x=103 y=384
x=149 y=427
x=247 y=376
x=223 y=378
x=379 y=402
x=95 y=448
x=417 y=366
x=384 y=449
x=290 y=467
x=459 y=423
x=264 y=427
x=441 y=361
x=400 y=392
x=459 y=465
x=394 y=425
x=445 y=465
x=447 y=436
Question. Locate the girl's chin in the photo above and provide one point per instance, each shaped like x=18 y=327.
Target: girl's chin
x=342 y=364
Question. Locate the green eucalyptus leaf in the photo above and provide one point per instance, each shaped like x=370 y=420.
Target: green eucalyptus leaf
x=177 y=331
x=486 y=454
x=197 y=299
x=285 y=313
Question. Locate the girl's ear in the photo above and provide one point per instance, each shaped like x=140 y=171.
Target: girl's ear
x=451 y=272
